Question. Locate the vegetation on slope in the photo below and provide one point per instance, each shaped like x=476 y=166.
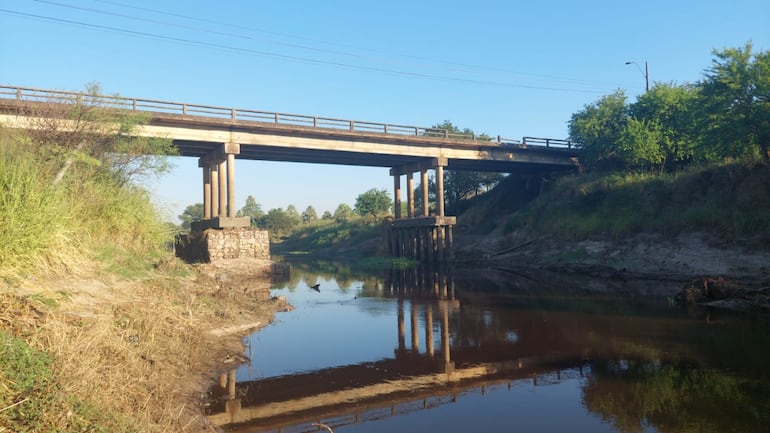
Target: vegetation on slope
x=731 y=200
x=70 y=212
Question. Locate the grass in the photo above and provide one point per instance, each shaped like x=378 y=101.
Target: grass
x=47 y=227
x=730 y=199
x=31 y=397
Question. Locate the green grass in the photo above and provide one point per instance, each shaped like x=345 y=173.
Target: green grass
x=731 y=199
x=46 y=226
x=32 y=401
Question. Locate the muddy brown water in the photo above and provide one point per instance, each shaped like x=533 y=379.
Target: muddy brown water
x=458 y=351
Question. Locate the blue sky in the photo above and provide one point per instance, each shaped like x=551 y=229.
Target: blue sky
x=511 y=68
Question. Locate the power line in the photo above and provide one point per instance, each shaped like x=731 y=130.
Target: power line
x=554 y=78
x=231 y=48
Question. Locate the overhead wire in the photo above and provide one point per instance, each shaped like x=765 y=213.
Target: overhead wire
x=251 y=51
x=420 y=58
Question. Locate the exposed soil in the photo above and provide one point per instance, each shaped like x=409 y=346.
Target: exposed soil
x=647 y=263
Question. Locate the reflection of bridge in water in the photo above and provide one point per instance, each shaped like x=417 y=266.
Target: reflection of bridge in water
x=418 y=376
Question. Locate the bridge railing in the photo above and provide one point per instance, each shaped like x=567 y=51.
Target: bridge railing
x=277 y=118
x=537 y=141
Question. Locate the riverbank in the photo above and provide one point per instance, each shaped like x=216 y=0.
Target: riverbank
x=128 y=355
x=643 y=264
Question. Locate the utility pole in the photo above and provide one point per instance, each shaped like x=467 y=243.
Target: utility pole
x=646 y=74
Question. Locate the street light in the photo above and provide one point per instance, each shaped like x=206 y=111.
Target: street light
x=645 y=72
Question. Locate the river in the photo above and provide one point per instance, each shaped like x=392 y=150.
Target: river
x=436 y=350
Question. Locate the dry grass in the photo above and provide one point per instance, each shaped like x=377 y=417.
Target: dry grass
x=141 y=350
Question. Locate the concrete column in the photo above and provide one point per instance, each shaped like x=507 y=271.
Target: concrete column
x=429 y=329
x=231 y=383
x=222 y=189
x=415 y=330
x=230 y=185
x=397 y=196
x=410 y=195
x=206 y=192
x=445 y=335
x=424 y=183
x=440 y=191
x=401 y=327
x=214 y=169
x=450 y=243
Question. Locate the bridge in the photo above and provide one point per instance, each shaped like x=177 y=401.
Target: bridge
x=217 y=136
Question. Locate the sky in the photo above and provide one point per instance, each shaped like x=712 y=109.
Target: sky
x=509 y=68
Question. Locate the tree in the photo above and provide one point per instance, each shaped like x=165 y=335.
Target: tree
x=309 y=215
x=672 y=110
x=373 y=202
x=736 y=102
x=639 y=144
x=343 y=213
x=460 y=185
x=278 y=222
x=293 y=214
x=327 y=215
x=253 y=210
x=86 y=132
x=598 y=127
x=193 y=212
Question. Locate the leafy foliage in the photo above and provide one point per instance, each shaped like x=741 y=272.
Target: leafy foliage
x=251 y=209
x=726 y=115
x=193 y=212
x=373 y=202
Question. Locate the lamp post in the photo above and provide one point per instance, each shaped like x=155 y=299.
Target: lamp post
x=646 y=74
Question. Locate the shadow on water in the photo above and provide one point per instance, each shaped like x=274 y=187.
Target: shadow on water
x=464 y=351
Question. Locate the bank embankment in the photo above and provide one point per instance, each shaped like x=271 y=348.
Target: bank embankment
x=125 y=355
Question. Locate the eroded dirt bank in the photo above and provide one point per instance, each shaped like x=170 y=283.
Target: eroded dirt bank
x=146 y=349
x=644 y=263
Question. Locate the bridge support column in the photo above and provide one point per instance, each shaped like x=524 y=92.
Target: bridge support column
x=424 y=184
x=409 y=195
x=425 y=238
x=219 y=207
x=397 y=196
x=231 y=185
x=206 y=192
x=214 y=174
x=440 y=190
x=223 y=181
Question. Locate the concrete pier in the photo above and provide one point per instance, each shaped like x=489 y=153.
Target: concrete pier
x=427 y=238
x=219 y=207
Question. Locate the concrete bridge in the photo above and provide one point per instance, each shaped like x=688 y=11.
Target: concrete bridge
x=217 y=136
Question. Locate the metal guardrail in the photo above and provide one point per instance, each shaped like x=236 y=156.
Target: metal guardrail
x=277 y=118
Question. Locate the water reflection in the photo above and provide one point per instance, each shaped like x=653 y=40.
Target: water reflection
x=607 y=364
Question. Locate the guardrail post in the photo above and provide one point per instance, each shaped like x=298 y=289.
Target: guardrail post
x=315 y=122
x=498 y=139
x=352 y=125
x=547 y=142
x=184 y=110
x=232 y=113
x=133 y=104
x=385 y=128
x=276 y=118
x=18 y=93
x=416 y=131
x=446 y=135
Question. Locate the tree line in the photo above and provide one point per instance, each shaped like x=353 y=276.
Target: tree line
x=281 y=222
x=725 y=115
